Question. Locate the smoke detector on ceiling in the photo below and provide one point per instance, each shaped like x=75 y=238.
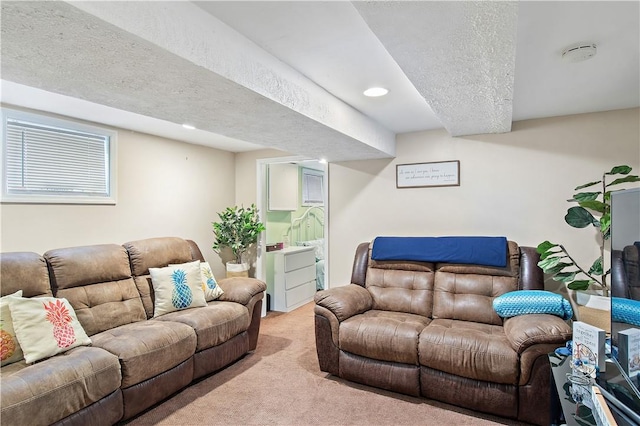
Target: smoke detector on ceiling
x=579 y=52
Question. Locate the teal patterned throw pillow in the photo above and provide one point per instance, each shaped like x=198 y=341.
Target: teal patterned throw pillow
x=210 y=286
x=523 y=302
x=177 y=287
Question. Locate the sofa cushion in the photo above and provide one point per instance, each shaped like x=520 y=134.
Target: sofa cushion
x=214 y=324
x=383 y=335
x=24 y=271
x=469 y=297
x=631 y=259
x=147 y=348
x=45 y=326
x=468 y=349
x=466 y=292
x=400 y=286
x=155 y=253
x=106 y=305
x=401 y=291
x=82 y=265
x=48 y=391
x=97 y=282
x=177 y=287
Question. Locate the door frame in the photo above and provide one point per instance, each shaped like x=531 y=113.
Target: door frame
x=262 y=203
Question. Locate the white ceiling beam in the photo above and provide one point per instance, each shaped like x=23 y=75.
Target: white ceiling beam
x=173 y=61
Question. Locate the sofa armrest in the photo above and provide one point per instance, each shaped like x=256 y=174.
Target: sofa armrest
x=240 y=289
x=345 y=302
x=524 y=331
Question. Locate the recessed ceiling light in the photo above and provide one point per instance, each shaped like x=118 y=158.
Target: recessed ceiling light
x=374 y=92
x=188 y=126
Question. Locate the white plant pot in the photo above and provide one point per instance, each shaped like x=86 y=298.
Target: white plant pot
x=592 y=300
x=237 y=269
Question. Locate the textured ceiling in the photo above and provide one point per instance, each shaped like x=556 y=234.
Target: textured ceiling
x=461 y=60
x=290 y=75
x=332 y=45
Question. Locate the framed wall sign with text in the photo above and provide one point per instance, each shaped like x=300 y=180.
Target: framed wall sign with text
x=417 y=175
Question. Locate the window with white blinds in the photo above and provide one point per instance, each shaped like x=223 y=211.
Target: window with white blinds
x=56 y=161
x=312 y=187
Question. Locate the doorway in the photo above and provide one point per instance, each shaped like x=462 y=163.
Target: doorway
x=295 y=213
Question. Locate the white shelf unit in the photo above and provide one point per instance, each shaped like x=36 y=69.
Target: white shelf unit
x=294 y=277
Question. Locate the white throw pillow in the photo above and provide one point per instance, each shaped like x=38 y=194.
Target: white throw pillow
x=209 y=284
x=177 y=287
x=46 y=326
x=211 y=288
x=10 y=350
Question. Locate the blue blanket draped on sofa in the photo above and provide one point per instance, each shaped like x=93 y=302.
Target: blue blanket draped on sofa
x=489 y=251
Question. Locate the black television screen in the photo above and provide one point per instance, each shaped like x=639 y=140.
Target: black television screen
x=622 y=413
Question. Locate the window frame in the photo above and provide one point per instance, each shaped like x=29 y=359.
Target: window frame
x=68 y=124
x=311 y=172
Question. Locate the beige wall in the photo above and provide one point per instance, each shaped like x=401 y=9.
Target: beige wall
x=246 y=179
x=165 y=188
x=514 y=184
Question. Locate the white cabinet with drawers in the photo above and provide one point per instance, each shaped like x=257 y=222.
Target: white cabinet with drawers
x=294 y=277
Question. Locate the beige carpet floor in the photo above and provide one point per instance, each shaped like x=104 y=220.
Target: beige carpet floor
x=281 y=384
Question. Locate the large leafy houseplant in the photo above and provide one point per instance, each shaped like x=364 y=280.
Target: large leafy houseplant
x=237 y=229
x=594 y=208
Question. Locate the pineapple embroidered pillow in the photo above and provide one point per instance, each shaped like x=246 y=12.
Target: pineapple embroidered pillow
x=177 y=287
x=211 y=288
x=46 y=326
x=209 y=284
x=10 y=350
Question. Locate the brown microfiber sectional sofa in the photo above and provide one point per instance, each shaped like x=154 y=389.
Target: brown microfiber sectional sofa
x=134 y=360
x=429 y=329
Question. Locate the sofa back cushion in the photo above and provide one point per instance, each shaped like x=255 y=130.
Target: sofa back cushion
x=24 y=271
x=401 y=286
x=97 y=281
x=631 y=258
x=156 y=253
x=466 y=292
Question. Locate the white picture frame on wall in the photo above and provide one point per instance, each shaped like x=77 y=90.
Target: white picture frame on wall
x=436 y=173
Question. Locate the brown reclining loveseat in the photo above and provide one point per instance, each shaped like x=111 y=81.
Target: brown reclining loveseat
x=429 y=329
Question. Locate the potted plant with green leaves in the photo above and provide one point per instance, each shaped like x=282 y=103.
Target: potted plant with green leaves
x=237 y=230
x=593 y=209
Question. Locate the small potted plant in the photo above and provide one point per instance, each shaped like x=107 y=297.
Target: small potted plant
x=237 y=230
